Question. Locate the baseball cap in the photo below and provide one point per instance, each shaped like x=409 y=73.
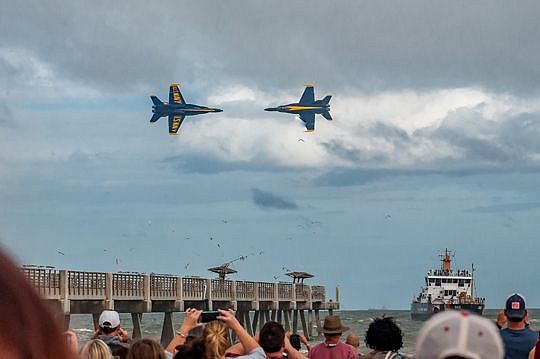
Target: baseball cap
x=455 y=333
x=515 y=306
x=109 y=319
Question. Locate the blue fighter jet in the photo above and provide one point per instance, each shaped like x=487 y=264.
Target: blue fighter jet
x=176 y=109
x=307 y=108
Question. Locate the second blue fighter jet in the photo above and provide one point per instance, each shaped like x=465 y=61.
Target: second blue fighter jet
x=176 y=109
x=307 y=108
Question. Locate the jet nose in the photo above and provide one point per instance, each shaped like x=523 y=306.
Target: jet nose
x=271 y=109
x=217 y=110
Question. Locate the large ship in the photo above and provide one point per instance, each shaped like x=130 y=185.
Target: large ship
x=447 y=289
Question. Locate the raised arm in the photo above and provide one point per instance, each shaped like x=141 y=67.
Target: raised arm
x=191 y=321
x=292 y=353
x=228 y=318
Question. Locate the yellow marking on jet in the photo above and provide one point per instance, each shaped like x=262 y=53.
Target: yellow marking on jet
x=310 y=130
x=300 y=108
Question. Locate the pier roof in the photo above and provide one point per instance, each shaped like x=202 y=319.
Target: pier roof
x=298 y=277
x=222 y=270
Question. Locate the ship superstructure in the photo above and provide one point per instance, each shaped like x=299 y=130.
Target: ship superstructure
x=446 y=289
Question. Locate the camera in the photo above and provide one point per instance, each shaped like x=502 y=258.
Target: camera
x=210 y=316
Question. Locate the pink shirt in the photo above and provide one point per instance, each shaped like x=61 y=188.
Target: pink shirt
x=330 y=350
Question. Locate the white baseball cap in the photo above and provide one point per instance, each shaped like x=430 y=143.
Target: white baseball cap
x=109 y=319
x=459 y=333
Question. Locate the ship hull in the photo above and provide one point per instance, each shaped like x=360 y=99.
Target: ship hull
x=422 y=311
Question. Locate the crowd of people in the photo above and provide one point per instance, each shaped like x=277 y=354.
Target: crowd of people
x=28 y=329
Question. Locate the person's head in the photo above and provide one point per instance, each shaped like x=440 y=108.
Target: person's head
x=216 y=340
x=272 y=337
x=295 y=341
x=27 y=329
x=353 y=339
x=515 y=308
x=146 y=349
x=332 y=328
x=95 y=349
x=193 y=349
x=109 y=321
x=454 y=334
x=383 y=334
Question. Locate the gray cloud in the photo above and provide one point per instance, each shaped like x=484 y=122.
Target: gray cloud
x=418 y=44
x=505 y=207
x=358 y=177
x=268 y=200
x=509 y=142
x=206 y=164
x=6 y=115
x=394 y=136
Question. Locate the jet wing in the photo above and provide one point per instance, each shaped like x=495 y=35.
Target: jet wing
x=174 y=123
x=175 y=96
x=308 y=97
x=309 y=120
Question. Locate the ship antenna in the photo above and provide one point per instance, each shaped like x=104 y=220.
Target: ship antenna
x=472 y=280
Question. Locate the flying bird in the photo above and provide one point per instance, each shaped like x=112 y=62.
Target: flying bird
x=224 y=221
x=301 y=140
x=387 y=216
x=117 y=260
x=60 y=252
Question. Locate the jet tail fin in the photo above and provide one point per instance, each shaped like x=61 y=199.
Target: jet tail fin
x=156 y=100
x=155 y=117
x=326 y=100
x=326 y=115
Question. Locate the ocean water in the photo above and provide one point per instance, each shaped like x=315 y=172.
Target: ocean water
x=357 y=320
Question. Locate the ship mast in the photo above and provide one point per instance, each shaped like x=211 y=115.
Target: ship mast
x=446 y=260
x=472 y=280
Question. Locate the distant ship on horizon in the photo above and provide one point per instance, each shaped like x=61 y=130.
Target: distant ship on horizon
x=446 y=289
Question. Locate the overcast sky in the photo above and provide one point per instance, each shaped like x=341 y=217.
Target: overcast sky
x=434 y=143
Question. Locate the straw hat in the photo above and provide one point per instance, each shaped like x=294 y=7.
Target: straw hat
x=332 y=325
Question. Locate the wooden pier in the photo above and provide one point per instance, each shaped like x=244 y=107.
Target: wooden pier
x=77 y=292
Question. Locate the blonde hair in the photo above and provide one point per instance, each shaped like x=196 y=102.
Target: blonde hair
x=216 y=340
x=96 y=349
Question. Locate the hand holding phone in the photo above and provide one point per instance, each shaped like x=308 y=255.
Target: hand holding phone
x=209 y=316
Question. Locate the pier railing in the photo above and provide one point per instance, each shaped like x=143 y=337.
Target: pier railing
x=69 y=285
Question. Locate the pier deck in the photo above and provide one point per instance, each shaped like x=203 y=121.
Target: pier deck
x=78 y=292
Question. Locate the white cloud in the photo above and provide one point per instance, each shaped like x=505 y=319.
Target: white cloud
x=388 y=129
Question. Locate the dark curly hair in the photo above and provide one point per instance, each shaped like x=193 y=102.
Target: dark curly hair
x=384 y=335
